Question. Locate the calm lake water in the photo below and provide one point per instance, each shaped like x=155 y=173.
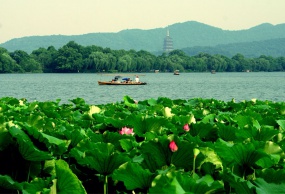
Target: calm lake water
x=221 y=86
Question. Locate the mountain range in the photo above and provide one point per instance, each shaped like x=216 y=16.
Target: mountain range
x=192 y=37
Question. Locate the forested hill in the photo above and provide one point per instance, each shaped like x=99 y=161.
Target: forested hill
x=185 y=35
x=273 y=47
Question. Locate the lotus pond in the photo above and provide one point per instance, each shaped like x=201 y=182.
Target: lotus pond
x=152 y=146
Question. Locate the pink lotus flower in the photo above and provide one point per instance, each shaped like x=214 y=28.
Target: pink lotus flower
x=186 y=127
x=127 y=131
x=173 y=147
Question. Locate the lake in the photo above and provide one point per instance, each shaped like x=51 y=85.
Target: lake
x=221 y=86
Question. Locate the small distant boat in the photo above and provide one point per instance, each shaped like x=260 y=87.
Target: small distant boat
x=121 y=83
x=213 y=71
x=118 y=80
x=156 y=71
x=176 y=72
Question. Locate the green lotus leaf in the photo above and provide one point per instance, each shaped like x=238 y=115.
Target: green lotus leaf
x=130 y=102
x=67 y=182
x=99 y=156
x=246 y=154
x=156 y=153
x=166 y=183
x=152 y=102
x=38 y=185
x=211 y=156
x=281 y=123
x=5 y=138
x=80 y=104
x=27 y=148
x=126 y=144
x=275 y=153
x=238 y=185
x=174 y=182
x=77 y=116
x=115 y=122
x=75 y=135
x=142 y=125
x=179 y=102
x=243 y=121
x=8 y=183
x=150 y=136
x=49 y=108
x=193 y=139
x=55 y=145
x=282 y=110
x=166 y=102
x=94 y=137
x=207 y=179
x=179 y=121
x=133 y=176
x=246 y=133
x=208 y=168
x=114 y=138
x=49 y=167
x=109 y=137
x=223 y=150
x=266 y=133
x=264 y=188
x=183 y=157
x=272 y=148
x=204 y=131
x=267 y=162
x=210 y=118
x=272 y=176
x=35 y=168
x=36 y=121
x=151 y=162
x=226 y=132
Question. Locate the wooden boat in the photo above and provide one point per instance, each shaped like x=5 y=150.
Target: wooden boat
x=118 y=80
x=121 y=83
x=176 y=72
x=213 y=71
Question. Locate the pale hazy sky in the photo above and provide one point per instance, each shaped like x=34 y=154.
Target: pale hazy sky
x=19 y=18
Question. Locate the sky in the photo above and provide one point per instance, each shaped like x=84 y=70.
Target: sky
x=20 y=18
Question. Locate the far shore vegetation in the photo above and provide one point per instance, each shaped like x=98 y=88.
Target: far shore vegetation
x=74 y=58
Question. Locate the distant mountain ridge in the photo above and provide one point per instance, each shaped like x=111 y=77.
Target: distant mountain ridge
x=185 y=35
x=272 y=47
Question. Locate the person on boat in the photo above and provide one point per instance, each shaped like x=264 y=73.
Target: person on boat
x=137 y=79
x=117 y=79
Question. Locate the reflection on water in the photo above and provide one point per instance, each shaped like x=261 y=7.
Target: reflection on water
x=221 y=86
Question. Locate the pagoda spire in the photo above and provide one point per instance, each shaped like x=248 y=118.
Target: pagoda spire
x=168 y=42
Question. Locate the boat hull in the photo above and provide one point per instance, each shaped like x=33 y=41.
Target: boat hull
x=121 y=83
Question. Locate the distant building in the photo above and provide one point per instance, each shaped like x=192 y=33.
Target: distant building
x=168 y=43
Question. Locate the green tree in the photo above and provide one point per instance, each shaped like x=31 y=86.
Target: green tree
x=27 y=62
x=241 y=63
x=7 y=64
x=69 y=59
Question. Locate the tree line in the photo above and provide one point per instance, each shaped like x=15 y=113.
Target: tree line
x=72 y=58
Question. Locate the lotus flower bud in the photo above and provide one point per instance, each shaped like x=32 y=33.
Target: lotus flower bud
x=196 y=152
x=186 y=127
x=173 y=147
